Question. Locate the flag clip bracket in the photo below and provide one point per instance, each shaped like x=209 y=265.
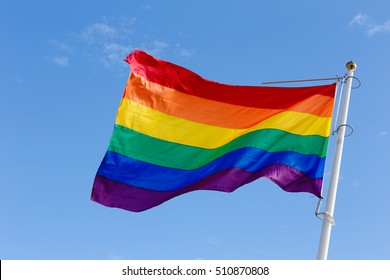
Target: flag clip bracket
x=342 y=125
x=357 y=79
x=327 y=217
x=324 y=215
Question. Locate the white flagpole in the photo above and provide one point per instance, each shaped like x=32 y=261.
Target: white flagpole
x=331 y=198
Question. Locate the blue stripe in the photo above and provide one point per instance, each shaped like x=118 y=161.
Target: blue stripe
x=153 y=177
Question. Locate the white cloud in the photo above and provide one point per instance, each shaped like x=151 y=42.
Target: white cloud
x=359 y=19
x=156 y=47
x=186 y=53
x=374 y=29
x=106 y=42
x=60 y=46
x=113 y=54
x=98 y=30
x=371 y=28
x=115 y=48
x=147 y=7
x=160 y=44
x=109 y=42
x=61 y=61
x=127 y=25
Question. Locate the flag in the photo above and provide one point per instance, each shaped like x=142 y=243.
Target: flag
x=176 y=132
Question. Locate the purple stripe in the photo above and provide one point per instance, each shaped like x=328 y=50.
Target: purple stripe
x=115 y=194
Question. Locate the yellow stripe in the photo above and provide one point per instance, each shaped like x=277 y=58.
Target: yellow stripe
x=170 y=128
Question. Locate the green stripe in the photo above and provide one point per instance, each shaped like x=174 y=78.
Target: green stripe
x=160 y=152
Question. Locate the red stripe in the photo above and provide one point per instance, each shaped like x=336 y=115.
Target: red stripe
x=173 y=76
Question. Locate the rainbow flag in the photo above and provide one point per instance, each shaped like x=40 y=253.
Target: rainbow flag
x=177 y=132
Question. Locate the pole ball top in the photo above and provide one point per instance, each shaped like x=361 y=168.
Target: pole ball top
x=351 y=65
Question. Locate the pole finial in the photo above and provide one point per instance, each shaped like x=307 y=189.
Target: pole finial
x=351 y=65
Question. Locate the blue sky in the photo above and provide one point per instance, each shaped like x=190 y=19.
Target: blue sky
x=62 y=77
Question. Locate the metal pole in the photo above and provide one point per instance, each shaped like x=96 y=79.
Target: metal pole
x=331 y=198
x=299 y=81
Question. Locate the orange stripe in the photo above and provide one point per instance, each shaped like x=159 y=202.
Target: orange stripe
x=175 y=103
